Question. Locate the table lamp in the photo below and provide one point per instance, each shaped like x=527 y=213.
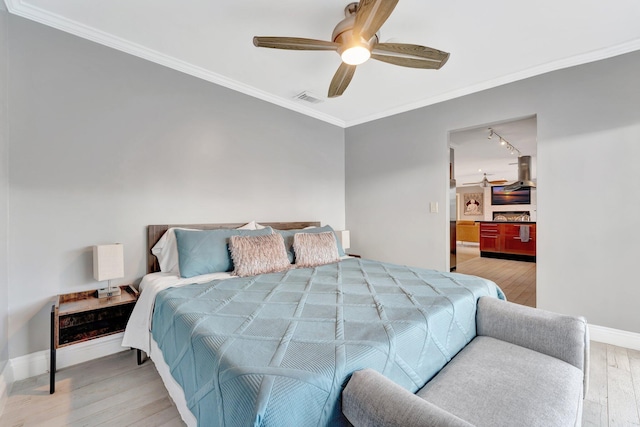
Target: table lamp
x=108 y=264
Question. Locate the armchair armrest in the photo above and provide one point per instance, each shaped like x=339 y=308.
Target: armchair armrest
x=372 y=400
x=560 y=336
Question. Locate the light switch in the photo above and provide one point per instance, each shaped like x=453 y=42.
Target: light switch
x=433 y=207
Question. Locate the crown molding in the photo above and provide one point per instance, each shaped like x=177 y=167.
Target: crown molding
x=18 y=7
x=573 y=61
x=36 y=14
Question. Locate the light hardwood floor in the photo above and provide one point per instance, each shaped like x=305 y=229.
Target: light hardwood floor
x=516 y=278
x=613 y=398
x=111 y=391
x=114 y=391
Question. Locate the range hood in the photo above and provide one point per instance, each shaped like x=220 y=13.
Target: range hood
x=524 y=175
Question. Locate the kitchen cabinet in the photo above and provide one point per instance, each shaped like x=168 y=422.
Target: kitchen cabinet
x=508 y=240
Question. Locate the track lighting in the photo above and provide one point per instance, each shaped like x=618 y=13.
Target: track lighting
x=509 y=146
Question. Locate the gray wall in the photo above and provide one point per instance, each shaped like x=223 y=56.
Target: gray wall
x=588 y=204
x=103 y=143
x=4 y=283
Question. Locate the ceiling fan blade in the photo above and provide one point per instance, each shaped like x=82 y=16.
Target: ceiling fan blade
x=428 y=57
x=499 y=181
x=370 y=16
x=411 y=50
x=407 y=62
x=294 y=43
x=341 y=80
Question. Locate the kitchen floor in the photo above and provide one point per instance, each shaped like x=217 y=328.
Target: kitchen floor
x=516 y=278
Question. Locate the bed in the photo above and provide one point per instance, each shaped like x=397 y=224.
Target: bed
x=277 y=349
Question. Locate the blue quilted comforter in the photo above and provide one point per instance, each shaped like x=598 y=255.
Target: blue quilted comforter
x=277 y=349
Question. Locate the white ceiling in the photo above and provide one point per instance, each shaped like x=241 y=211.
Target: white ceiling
x=476 y=154
x=491 y=43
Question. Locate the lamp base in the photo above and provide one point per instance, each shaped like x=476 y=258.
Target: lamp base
x=107 y=293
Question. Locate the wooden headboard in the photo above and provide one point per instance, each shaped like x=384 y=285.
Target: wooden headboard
x=155 y=232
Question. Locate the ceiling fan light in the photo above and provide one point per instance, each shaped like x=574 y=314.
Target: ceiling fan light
x=355 y=55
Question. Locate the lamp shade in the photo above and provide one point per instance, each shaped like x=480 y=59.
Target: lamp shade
x=344 y=237
x=108 y=262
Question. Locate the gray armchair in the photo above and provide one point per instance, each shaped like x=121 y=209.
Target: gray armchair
x=525 y=367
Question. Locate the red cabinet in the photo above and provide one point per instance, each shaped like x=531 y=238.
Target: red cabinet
x=489 y=237
x=519 y=241
x=508 y=240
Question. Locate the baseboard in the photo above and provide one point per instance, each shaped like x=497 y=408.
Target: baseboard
x=6 y=380
x=614 y=337
x=38 y=363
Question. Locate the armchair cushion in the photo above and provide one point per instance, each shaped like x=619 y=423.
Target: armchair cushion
x=496 y=383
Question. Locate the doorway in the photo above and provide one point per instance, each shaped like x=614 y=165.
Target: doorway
x=486 y=159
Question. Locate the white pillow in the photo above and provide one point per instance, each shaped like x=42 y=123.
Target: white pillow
x=251 y=226
x=166 y=250
x=248 y=226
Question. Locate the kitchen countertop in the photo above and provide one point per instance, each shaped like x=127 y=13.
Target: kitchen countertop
x=509 y=222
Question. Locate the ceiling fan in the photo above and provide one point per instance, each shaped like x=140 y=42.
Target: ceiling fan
x=486 y=183
x=356 y=39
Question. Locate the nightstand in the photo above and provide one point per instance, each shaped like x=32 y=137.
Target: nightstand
x=82 y=316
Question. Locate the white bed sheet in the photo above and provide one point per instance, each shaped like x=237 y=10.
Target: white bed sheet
x=173 y=388
x=137 y=334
